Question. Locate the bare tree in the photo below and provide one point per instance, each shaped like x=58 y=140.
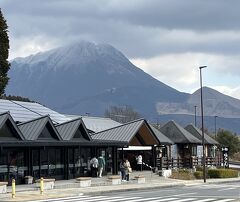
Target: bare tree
x=122 y=114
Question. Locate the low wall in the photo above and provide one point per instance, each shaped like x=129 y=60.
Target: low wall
x=84 y=181
x=3 y=187
x=115 y=179
x=47 y=183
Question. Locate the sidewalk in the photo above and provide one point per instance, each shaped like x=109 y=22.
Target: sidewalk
x=68 y=188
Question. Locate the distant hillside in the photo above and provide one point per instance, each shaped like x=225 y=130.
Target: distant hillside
x=215 y=104
x=88 y=78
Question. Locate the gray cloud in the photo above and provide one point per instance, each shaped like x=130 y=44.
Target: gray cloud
x=139 y=28
x=144 y=30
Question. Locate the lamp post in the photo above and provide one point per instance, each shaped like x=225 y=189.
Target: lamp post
x=215 y=126
x=203 y=139
x=195 y=116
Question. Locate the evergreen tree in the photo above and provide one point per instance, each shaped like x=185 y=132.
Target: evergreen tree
x=227 y=139
x=4 y=48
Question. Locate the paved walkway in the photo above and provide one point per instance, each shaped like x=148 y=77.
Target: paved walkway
x=67 y=188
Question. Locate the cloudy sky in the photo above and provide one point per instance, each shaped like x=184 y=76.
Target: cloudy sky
x=168 y=39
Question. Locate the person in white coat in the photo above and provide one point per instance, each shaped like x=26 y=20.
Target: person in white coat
x=139 y=162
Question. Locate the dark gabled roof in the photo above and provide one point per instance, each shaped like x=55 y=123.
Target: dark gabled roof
x=4 y=117
x=32 y=129
x=96 y=124
x=164 y=140
x=178 y=134
x=123 y=133
x=198 y=134
x=68 y=129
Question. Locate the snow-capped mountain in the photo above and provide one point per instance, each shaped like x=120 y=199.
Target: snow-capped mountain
x=88 y=78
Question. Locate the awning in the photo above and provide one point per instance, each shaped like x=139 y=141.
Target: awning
x=137 y=148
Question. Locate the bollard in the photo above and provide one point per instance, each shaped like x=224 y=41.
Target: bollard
x=13 y=188
x=41 y=186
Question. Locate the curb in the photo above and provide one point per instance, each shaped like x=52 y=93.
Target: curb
x=134 y=189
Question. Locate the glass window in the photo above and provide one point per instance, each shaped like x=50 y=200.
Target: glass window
x=44 y=163
x=35 y=161
x=194 y=150
x=3 y=166
x=59 y=173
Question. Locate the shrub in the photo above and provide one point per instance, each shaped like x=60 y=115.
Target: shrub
x=199 y=168
x=198 y=175
x=182 y=174
x=222 y=173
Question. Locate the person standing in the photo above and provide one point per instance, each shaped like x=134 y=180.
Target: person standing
x=94 y=166
x=128 y=169
x=122 y=169
x=139 y=162
x=101 y=165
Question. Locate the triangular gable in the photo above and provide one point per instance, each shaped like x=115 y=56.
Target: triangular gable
x=81 y=133
x=8 y=128
x=144 y=136
x=74 y=129
x=39 y=129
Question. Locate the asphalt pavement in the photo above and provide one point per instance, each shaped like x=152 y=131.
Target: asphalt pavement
x=102 y=186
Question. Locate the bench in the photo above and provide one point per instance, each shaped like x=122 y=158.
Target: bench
x=165 y=173
x=84 y=181
x=115 y=179
x=47 y=183
x=3 y=187
x=140 y=179
x=28 y=179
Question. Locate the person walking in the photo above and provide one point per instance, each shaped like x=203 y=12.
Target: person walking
x=139 y=162
x=101 y=165
x=94 y=166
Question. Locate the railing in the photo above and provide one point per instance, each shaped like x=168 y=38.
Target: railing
x=168 y=163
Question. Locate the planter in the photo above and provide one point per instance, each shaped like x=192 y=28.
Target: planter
x=140 y=179
x=47 y=183
x=115 y=179
x=3 y=187
x=84 y=181
x=28 y=179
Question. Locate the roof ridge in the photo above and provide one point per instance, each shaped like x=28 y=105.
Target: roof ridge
x=45 y=116
x=17 y=103
x=72 y=120
x=6 y=112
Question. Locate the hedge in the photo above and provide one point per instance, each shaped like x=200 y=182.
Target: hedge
x=222 y=173
x=198 y=175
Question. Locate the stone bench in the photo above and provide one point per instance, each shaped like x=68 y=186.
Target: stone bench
x=84 y=181
x=115 y=179
x=3 y=187
x=140 y=179
x=47 y=183
x=28 y=179
x=165 y=173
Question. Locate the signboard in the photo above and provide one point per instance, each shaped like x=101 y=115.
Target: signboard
x=225 y=154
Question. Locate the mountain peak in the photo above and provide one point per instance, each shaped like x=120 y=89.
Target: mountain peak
x=74 y=54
